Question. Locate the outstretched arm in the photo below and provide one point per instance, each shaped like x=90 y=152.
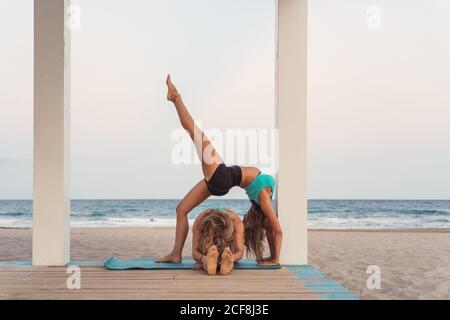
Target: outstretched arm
x=275 y=236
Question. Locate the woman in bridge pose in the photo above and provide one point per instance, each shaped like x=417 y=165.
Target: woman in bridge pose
x=260 y=222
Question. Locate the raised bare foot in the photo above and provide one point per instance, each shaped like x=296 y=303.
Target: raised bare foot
x=172 y=92
x=171 y=258
x=211 y=260
x=227 y=263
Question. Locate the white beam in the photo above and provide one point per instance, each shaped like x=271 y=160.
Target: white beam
x=51 y=199
x=291 y=108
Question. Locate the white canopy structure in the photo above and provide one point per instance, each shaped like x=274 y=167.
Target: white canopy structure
x=51 y=194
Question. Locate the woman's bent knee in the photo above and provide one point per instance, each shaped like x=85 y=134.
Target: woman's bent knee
x=181 y=212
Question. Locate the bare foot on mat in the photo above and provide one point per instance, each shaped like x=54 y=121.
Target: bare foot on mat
x=171 y=258
x=211 y=260
x=227 y=263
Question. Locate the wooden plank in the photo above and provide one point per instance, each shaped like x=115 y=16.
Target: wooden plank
x=106 y=295
x=179 y=286
x=146 y=274
x=318 y=283
x=99 y=283
x=162 y=289
x=160 y=272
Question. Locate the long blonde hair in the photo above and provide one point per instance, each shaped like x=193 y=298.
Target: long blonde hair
x=216 y=229
x=254 y=232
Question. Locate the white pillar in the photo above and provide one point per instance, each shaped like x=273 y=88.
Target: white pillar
x=51 y=199
x=291 y=108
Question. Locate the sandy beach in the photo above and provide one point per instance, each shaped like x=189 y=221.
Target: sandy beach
x=414 y=263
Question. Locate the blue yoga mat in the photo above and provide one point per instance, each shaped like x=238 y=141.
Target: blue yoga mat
x=150 y=264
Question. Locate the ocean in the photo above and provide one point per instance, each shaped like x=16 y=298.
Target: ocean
x=322 y=214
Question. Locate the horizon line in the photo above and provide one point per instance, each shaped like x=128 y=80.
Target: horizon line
x=234 y=199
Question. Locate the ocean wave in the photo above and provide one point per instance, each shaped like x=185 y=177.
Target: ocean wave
x=131 y=209
x=326 y=214
x=15 y=223
x=386 y=222
x=14 y=214
x=127 y=222
x=426 y=212
x=90 y=215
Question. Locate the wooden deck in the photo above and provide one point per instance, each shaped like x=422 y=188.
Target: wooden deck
x=26 y=282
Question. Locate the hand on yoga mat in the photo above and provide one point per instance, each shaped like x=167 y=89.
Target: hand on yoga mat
x=268 y=263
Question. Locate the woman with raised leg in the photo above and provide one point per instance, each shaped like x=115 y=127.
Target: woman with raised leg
x=260 y=222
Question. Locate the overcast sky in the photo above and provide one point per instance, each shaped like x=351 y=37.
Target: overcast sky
x=379 y=99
